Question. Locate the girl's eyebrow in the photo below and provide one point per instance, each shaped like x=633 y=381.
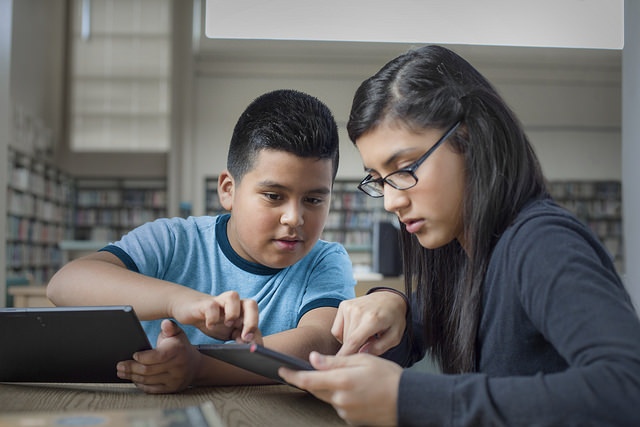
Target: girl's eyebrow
x=392 y=158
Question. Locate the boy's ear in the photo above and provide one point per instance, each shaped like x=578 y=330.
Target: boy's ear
x=226 y=186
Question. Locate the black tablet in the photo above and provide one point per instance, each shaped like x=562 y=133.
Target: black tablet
x=67 y=344
x=254 y=358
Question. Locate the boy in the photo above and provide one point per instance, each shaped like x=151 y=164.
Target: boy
x=213 y=274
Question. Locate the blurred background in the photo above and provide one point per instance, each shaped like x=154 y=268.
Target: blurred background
x=117 y=112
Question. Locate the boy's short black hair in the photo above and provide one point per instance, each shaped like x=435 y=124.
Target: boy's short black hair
x=285 y=120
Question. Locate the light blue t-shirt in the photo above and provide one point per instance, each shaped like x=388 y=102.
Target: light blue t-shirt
x=195 y=252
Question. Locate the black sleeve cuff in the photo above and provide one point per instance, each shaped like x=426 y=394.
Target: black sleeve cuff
x=124 y=257
x=322 y=302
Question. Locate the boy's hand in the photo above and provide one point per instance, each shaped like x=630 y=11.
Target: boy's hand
x=256 y=337
x=224 y=317
x=168 y=368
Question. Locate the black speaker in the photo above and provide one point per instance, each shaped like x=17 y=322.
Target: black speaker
x=387 y=258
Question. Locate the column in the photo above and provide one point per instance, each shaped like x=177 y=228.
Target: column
x=6 y=15
x=631 y=147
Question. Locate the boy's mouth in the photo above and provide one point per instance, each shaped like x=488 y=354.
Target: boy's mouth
x=288 y=243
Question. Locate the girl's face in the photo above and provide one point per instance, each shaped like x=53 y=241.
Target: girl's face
x=432 y=209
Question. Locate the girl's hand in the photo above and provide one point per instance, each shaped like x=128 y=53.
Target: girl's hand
x=363 y=389
x=224 y=317
x=372 y=323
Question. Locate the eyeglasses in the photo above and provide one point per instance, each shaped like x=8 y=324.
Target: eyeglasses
x=404 y=178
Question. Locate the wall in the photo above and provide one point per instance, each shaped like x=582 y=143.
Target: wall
x=37 y=60
x=32 y=58
x=568 y=99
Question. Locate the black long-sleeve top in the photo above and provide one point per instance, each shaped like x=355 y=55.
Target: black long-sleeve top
x=558 y=340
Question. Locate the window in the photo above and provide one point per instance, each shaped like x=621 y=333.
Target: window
x=120 y=79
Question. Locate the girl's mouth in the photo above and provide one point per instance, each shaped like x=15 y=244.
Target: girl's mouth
x=413 y=226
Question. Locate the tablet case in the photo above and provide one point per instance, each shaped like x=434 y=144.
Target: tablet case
x=68 y=344
x=255 y=358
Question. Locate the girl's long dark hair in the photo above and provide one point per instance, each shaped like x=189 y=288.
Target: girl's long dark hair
x=432 y=87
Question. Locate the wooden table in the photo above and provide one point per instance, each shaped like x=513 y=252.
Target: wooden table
x=29 y=296
x=272 y=405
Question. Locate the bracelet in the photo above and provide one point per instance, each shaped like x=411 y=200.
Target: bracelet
x=395 y=291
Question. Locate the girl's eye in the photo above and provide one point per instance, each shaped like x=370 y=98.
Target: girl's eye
x=406 y=165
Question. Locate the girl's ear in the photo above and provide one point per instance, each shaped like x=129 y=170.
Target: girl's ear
x=226 y=186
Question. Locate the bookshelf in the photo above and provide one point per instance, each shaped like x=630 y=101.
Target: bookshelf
x=107 y=208
x=39 y=215
x=599 y=205
x=351 y=221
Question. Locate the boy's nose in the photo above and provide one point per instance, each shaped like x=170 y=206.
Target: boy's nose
x=292 y=215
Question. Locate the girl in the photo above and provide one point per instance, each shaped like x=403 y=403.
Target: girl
x=515 y=298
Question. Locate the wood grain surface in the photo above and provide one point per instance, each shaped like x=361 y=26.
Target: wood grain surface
x=272 y=405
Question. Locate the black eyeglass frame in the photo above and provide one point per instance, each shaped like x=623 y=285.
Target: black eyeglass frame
x=409 y=169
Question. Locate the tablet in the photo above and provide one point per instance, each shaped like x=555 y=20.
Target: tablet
x=68 y=344
x=255 y=358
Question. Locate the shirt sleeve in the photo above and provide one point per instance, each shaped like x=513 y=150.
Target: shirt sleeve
x=149 y=247
x=580 y=306
x=330 y=282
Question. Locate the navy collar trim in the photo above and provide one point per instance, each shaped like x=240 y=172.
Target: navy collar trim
x=223 y=242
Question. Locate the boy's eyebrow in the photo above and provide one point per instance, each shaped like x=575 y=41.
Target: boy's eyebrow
x=277 y=186
x=392 y=158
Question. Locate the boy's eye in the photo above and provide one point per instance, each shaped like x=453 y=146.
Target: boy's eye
x=314 y=200
x=272 y=196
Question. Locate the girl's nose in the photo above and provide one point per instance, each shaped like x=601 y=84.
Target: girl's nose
x=394 y=199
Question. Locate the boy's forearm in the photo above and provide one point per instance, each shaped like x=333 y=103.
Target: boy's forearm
x=295 y=342
x=312 y=334
x=93 y=281
x=215 y=372
x=303 y=340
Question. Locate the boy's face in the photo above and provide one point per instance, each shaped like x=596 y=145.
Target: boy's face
x=279 y=208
